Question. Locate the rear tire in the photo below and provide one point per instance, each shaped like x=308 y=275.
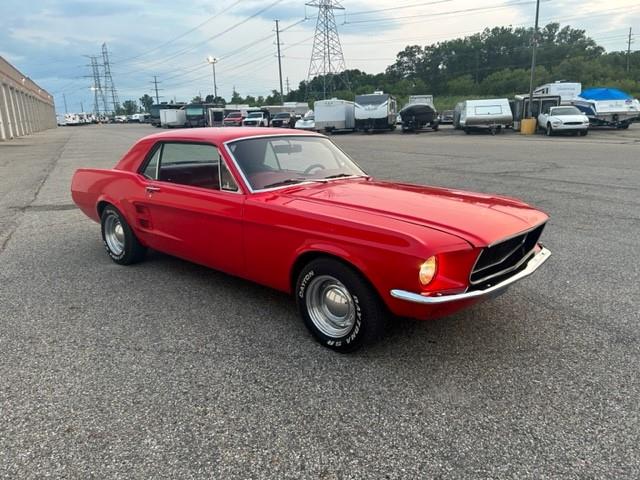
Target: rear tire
x=120 y=242
x=338 y=306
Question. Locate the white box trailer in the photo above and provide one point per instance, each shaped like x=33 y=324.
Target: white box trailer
x=173 y=118
x=334 y=115
x=567 y=91
x=487 y=114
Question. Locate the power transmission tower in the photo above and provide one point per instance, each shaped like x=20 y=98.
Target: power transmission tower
x=327 y=59
x=279 y=61
x=629 y=50
x=155 y=84
x=98 y=93
x=108 y=80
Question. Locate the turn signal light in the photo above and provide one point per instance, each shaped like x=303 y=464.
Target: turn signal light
x=428 y=270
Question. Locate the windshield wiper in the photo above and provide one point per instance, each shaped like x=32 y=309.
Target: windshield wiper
x=288 y=181
x=339 y=175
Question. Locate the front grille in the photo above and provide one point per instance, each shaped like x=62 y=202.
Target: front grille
x=573 y=123
x=505 y=257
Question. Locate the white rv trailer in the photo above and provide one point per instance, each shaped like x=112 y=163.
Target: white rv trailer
x=375 y=111
x=488 y=114
x=567 y=91
x=334 y=115
x=170 y=118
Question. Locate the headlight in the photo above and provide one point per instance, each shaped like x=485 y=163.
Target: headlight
x=428 y=270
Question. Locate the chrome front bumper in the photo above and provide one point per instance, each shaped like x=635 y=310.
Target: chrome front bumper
x=533 y=264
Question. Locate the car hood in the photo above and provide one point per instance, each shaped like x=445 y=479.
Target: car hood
x=477 y=218
x=569 y=118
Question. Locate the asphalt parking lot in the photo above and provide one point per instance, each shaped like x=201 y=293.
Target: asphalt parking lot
x=169 y=370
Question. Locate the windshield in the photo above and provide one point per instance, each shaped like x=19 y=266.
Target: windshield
x=194 y=110
x=565 y=111
x=282 y=160
x=255 y=115
x=234 y=115
x=371 y=99
x=282 y=115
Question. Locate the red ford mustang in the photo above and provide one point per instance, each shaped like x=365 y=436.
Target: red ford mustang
x=292 y=211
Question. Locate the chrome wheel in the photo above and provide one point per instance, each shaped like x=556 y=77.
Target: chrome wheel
x=114 y=234
x=330 y=306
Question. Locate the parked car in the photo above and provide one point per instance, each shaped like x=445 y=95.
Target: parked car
x=234 y=119
x=284 y=119
x=446 y=117
x=293 y=212
x=566 y=119
x=307 y=122
x=120 y=119
x=257 y=118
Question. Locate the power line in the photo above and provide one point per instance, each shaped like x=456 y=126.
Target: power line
x=182 y=35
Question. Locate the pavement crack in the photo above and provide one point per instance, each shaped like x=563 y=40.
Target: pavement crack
x=50 y=167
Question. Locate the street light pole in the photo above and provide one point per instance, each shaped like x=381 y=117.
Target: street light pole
x=212 y=60
x=533 y=59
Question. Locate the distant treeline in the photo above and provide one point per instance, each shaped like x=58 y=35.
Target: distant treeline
x=495 y=62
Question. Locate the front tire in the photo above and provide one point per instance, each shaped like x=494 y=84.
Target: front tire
x=120 y=242
x=549 y=130
x=584 y=133
x=340 y=309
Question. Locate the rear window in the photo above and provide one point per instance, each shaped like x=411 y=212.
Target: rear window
x=488 y=110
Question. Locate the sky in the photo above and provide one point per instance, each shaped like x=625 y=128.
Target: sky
x=50 y=41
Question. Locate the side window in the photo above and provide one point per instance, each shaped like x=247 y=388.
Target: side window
x=192 y=164
x=226 y=179
x=151 y=170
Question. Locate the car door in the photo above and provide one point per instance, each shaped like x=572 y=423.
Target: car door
x=192 y=205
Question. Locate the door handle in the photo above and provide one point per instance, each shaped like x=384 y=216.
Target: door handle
x=151 y=189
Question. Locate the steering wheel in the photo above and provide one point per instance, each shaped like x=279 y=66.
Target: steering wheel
x=311 y=167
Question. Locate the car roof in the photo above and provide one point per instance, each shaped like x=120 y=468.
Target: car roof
x=219 y=135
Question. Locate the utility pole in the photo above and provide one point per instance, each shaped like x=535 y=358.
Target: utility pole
x=279 y=61
x=533 y=59
x=288 y=89
x=629 y=50
x=155 y=84
x=81 y=107
x=212 y=60
x=64 y=98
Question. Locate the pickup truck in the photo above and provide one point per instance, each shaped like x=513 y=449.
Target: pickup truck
x=565 y=118
x=256 y=119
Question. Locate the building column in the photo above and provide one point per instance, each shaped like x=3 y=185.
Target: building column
x=3 y=134
x=25 y=113
x=16 y=114
x=8 y=121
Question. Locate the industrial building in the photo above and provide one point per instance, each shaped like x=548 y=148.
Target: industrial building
x=25 y=107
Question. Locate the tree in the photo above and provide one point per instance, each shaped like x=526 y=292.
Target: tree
x=146 y=101
x=197 y=99
x=129 y=107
